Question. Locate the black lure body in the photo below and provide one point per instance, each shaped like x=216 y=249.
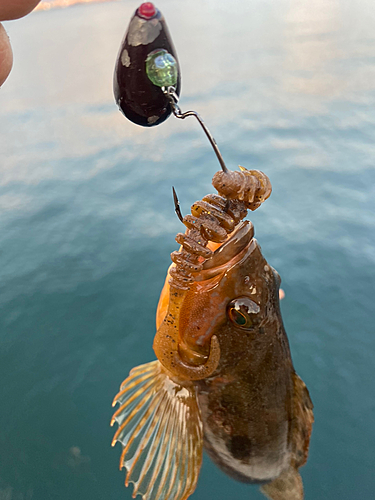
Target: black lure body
x=140 y=100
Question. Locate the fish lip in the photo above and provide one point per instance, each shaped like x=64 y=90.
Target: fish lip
x=229 y=252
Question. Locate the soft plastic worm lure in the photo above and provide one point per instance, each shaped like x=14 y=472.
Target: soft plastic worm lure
x=214 y=217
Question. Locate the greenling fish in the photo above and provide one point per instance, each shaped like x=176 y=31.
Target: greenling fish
x=224 y=378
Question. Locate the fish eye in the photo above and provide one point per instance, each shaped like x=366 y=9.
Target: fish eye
x=243 y=312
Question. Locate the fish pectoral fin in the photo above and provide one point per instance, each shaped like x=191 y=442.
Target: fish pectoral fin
x=303 y=419
x=160 y=429
x=288 y=486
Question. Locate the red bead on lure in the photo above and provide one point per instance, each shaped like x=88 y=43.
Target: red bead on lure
x=224 y=378
x=147 y=10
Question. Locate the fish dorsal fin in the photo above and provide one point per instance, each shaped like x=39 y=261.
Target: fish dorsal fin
x=160 y=429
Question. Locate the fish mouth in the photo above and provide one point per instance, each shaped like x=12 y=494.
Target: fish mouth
x=229 y=252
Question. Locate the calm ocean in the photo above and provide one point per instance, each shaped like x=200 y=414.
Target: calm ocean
x=87 y=225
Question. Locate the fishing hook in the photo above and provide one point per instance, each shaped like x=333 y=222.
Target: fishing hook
x=173 y=98
x=177 y=205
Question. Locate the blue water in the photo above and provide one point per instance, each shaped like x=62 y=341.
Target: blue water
x=87 y=225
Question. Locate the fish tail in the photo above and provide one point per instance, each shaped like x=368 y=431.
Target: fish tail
x=288 y=486
x=160 y=429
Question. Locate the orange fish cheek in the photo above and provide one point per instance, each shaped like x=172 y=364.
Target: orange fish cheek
x=201 y=315
x=162 y=308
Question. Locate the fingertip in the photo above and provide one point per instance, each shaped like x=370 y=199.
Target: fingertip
x=15 y=9
x=6 y=55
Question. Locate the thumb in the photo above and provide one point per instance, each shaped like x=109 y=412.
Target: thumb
x=6 y=55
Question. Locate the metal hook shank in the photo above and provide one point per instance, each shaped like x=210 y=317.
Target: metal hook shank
x=173 y=97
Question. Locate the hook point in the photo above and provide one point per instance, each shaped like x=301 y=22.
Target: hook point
x=177 y=205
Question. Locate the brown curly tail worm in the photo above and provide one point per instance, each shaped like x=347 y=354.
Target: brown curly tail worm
x=214 y=217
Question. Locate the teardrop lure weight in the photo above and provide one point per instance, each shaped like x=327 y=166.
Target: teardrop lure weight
x=146 y=64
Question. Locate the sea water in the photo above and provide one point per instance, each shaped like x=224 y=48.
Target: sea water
x=87 y=225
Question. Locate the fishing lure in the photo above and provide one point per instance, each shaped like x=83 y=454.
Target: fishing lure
x=137 y=87
x=224 y=378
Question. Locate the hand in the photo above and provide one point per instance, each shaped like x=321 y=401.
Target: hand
x=10 y=9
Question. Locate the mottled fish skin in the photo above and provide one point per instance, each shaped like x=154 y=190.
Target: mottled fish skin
x=256 y=412
x=246 y=404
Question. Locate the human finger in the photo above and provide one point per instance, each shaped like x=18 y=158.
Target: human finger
x=13 y=9
x=6 y=55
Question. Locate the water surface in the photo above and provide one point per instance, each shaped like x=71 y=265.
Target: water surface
x=87 y=225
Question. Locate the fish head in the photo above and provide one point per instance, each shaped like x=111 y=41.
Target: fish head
x=236 y=294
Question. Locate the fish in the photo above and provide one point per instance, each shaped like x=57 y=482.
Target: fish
x=223 y=379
